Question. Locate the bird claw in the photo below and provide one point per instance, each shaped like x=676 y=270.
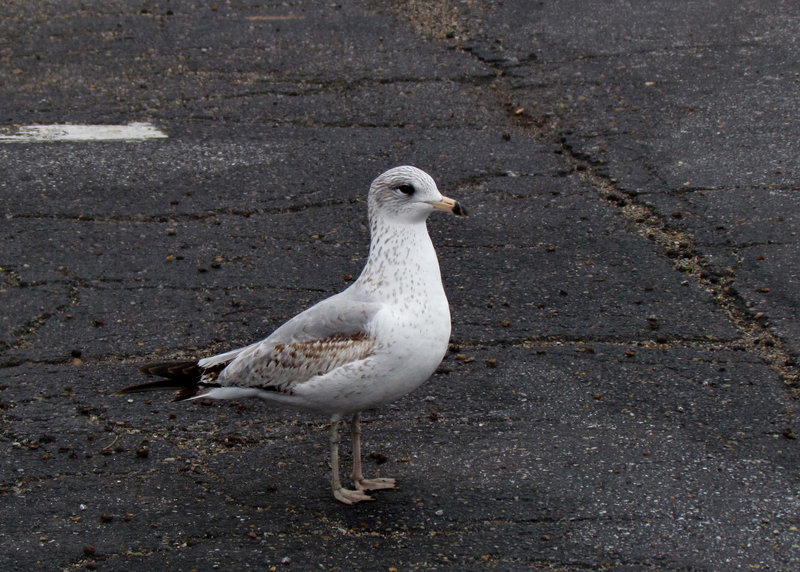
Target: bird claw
x=348 y=496
x=374 y=484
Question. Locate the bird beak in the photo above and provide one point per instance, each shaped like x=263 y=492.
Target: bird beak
x=449 y=205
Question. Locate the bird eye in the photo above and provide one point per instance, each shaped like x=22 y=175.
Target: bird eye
x=406 y=189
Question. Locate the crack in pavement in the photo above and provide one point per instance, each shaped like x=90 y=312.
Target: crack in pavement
x=682 y=247
x=185 y=217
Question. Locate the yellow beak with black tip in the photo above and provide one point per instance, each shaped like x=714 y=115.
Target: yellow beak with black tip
x=449 y=205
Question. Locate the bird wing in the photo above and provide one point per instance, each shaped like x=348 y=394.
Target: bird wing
x=328 y=335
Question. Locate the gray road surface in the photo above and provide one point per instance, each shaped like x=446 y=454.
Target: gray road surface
x=622 y=382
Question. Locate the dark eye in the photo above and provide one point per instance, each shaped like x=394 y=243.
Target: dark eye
x=406 y=189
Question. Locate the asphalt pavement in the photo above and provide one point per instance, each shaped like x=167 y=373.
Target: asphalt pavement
x=621 y=390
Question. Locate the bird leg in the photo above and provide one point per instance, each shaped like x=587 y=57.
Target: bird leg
x=347 y=496
x=357 y=476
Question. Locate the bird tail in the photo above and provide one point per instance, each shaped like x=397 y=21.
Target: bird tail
x=183 y=376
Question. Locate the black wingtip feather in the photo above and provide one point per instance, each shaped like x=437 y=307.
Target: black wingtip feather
x=183 y=376
x=161 y=384
x=183 y=371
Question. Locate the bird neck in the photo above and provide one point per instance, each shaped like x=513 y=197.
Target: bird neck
x=401 y=257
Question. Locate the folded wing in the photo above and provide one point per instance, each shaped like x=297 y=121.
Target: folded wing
x=326 y=336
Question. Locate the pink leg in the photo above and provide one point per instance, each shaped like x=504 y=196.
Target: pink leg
x=357 y=476
x=347 y=496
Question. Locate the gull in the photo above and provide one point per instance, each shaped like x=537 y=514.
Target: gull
x=371 y=344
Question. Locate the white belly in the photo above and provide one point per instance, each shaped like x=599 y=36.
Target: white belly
x=407 y=352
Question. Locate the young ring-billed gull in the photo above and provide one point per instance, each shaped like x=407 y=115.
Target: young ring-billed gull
x=374 y=342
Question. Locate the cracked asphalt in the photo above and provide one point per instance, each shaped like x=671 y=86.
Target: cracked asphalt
x=621 y=390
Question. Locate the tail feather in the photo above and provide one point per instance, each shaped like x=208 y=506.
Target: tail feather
x=183 y=376
x=177 y=370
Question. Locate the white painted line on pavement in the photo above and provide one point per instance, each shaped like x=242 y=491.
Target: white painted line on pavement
x=68 y=132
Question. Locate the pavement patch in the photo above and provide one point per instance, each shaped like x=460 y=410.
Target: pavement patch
x=69 y=132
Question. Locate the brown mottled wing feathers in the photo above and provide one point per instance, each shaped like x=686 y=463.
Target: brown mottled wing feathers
x=278 y=367
x=270 y=367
